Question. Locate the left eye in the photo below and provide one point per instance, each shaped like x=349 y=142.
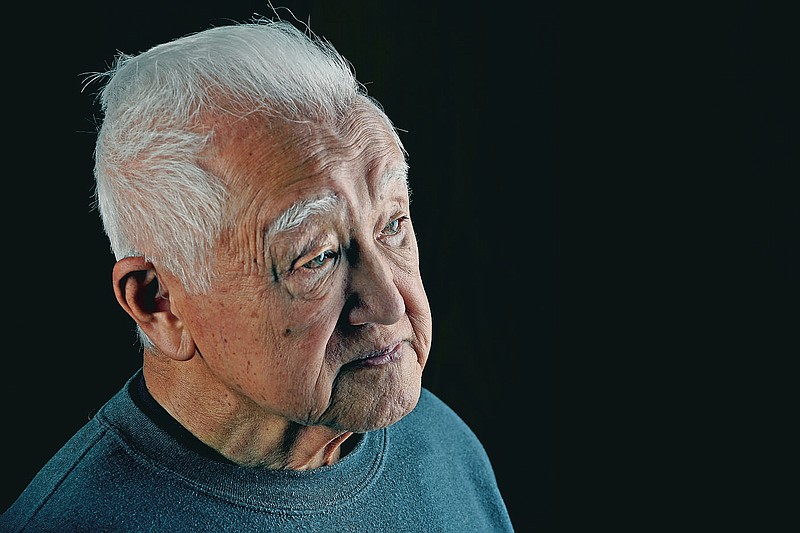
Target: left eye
x=393 y=227
x=320 y=260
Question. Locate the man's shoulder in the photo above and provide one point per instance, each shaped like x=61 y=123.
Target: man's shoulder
x=435 y=421
x=435 y=410
x=431 y=406
x=54 y=476
x=79 y=465
x=434 y=448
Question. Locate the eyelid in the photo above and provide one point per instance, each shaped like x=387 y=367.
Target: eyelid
x=332 y=254
x=326 y=256
x=401 y=221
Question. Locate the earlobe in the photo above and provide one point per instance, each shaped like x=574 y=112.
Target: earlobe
x=143 y=295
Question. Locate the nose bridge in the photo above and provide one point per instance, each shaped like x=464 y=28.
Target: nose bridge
x=372 y=283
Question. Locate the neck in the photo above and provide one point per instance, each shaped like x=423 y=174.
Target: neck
x=237 y=428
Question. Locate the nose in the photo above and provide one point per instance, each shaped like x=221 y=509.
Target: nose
x=374 y=296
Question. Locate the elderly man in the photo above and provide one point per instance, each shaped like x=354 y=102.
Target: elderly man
x=256 y=200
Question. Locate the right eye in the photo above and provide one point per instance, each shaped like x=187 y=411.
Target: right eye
x=320 y=260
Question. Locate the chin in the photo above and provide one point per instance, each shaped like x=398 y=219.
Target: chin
x=361 y=405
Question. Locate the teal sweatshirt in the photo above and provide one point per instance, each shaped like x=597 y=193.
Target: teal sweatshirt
x=133 y=468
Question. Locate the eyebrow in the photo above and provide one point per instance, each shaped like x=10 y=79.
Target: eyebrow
x=299 y=212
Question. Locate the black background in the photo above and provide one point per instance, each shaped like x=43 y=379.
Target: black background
x=607 y=188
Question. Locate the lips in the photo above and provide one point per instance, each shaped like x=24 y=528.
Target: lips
x=379 y=357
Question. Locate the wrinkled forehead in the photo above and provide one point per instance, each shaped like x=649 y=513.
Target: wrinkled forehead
x=269 y=164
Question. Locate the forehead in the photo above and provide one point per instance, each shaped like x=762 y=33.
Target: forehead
x=271 y=165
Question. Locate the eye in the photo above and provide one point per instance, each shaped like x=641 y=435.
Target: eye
x=394 y=226
x=320 y=260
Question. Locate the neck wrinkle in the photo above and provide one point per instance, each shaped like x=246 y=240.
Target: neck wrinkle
x=241 y=433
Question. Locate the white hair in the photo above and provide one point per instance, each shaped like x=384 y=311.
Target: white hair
x=154 y=197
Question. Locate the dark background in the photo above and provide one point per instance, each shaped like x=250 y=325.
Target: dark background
x=608 y=189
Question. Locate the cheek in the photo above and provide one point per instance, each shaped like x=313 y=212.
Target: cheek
x=414 y=295
x=418 y=311
x=301 y=371
x=234 y=340
x=299 y=333
x=295 y=319
x=409 y=282
x=276 y=356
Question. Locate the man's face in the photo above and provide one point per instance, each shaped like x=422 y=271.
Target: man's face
x=318 y=313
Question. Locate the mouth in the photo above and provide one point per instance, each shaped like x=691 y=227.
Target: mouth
x=380 y=357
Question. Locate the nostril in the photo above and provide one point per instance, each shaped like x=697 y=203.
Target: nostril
x=381 y=307
x=350 y=310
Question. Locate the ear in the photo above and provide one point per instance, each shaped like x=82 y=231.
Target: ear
x=147 y=300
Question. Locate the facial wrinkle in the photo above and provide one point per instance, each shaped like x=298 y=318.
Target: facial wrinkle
x=359 y=136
